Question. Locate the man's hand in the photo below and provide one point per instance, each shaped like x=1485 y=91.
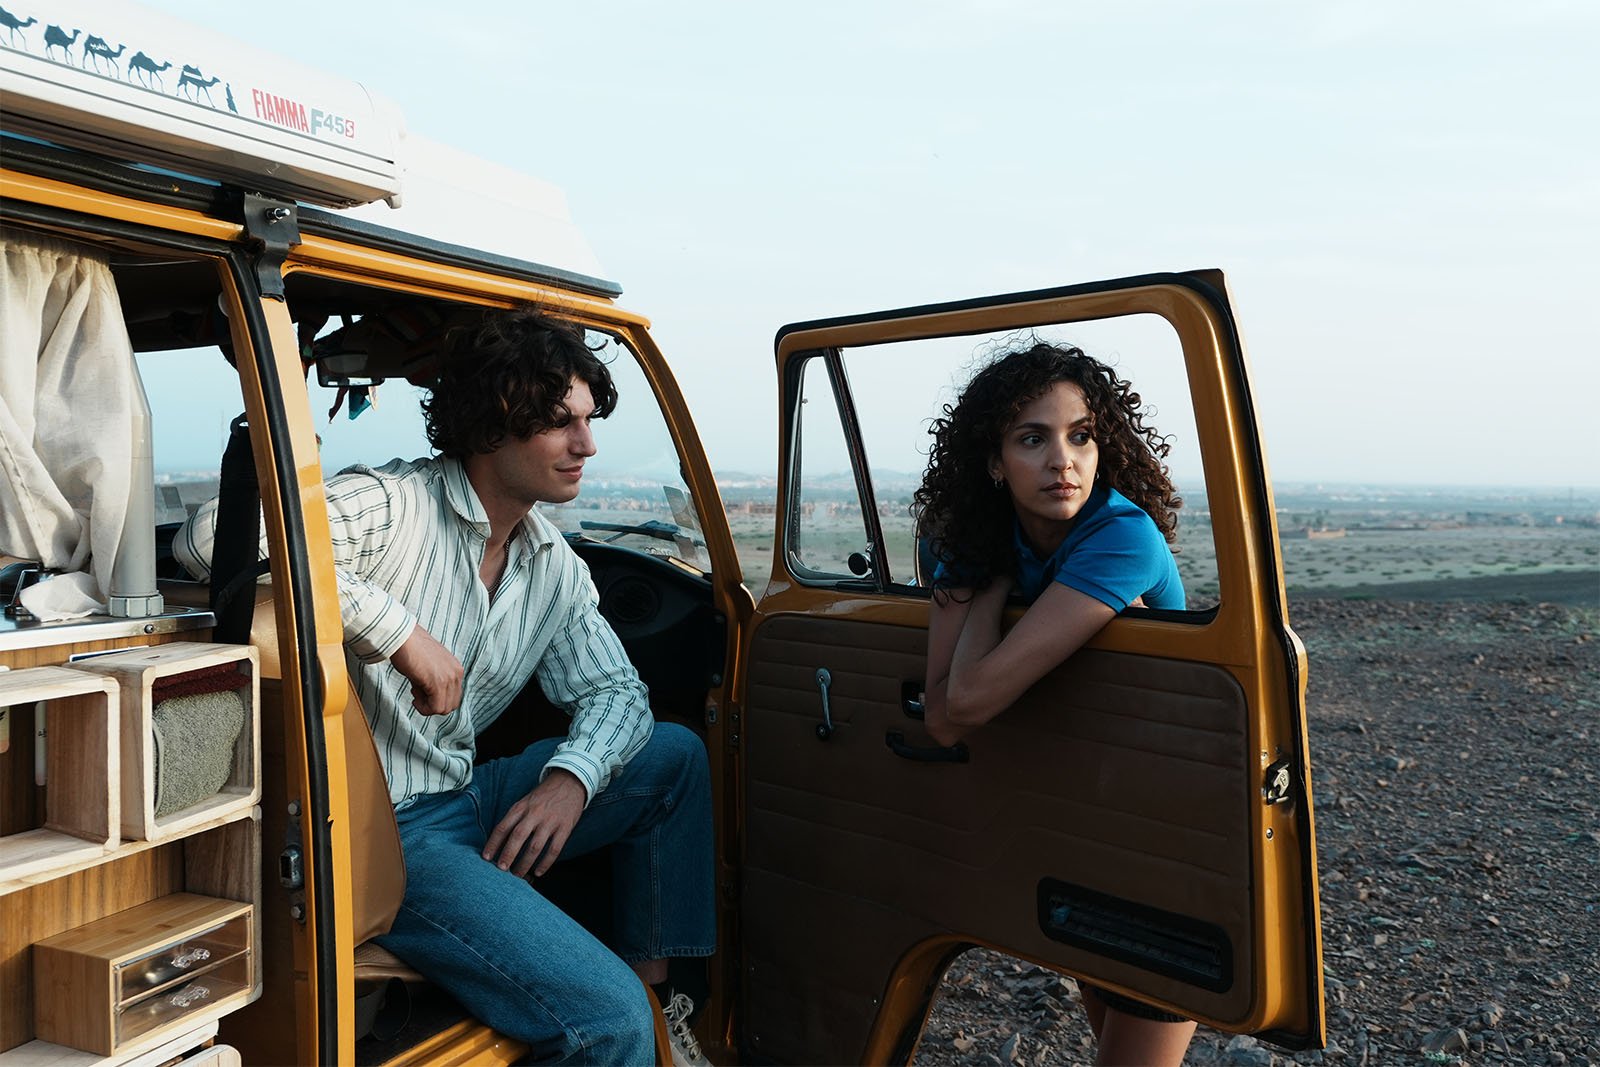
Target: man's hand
x=433 y=670
x=538 y=825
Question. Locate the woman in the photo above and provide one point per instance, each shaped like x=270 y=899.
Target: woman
x=1044 y=479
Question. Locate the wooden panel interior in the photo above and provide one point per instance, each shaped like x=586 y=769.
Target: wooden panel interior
x=42 y=911
x=81 y=769
x=136 y=673
x=20 y=801
x=1132 y=780
x=221 y=858
x=260 y=1026
x=78 y=817
x=226 y=863
x=108 y=985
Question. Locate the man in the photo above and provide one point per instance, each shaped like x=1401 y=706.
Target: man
x=453 y=590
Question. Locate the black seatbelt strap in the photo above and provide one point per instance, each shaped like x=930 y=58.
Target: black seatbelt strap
x=236 y=550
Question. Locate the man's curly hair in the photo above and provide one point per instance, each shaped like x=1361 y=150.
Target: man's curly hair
x=968 y=518
x=506 y=375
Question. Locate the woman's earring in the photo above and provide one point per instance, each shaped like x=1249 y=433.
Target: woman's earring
x=999 y=483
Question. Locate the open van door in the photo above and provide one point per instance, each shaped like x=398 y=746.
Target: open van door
x=1141 y=818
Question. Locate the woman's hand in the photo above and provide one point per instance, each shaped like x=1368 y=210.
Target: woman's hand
x=939 y=726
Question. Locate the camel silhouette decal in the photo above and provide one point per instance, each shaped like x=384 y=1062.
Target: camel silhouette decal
x=13 y=24
x=193 y=83
x=149 y=73
x=55 y=37
x=100 y=58
x=97 y=51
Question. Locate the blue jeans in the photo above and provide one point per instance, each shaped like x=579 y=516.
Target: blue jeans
x=515 y=960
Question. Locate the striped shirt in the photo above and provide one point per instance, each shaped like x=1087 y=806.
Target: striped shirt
x=408 y=539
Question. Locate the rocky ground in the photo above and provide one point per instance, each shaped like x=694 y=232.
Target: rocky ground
x=1456 y=771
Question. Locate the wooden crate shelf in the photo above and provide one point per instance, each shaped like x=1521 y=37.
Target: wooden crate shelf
x=159 y=968
x=222 y=862
x=138 y=672
x=82 y=798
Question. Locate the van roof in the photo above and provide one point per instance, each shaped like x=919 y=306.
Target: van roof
x=138 y=86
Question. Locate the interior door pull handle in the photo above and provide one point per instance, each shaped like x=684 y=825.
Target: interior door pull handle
x=912 y=702
x=956 y=753
x=825 y=727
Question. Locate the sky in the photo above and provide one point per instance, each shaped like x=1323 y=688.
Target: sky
x=1405 y=197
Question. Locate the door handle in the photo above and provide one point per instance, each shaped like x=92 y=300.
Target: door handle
x=956 y=753
x=912 y=700
x=825 y=727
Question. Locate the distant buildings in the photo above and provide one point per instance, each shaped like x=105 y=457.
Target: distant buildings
x=1312 y=533
x=1523 y=518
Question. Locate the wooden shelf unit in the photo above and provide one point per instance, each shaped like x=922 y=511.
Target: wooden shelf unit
x=81 y=822
x=215 y=851
x=222 y=861
x=190 y=1048
x=137 y=672
x=156 y=969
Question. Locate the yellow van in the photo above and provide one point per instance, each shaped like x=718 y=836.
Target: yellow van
x=186 y=219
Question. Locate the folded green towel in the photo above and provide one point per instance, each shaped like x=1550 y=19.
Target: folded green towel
x=194 y=742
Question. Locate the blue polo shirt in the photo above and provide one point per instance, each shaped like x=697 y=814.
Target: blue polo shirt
x=1114 y=553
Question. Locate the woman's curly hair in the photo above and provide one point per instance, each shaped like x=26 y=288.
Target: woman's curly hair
x=969 y=519
x=506 y=375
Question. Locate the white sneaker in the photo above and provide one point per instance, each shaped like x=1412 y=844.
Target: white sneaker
x=685 y=1048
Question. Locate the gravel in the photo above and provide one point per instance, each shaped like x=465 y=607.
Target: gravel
x=1456 y=773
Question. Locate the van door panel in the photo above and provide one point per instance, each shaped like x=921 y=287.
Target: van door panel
x=1111 y=824
x=1131 y=787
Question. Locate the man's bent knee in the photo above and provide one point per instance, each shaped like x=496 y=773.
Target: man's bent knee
x=678 y=746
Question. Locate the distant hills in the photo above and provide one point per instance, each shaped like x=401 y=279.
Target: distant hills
x=891 y=485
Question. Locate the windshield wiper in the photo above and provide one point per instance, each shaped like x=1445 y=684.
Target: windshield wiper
x=661 y=531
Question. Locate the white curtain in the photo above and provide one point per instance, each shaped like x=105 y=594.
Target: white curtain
x=67 y=377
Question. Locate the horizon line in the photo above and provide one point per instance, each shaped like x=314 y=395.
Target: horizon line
x=723 y=477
